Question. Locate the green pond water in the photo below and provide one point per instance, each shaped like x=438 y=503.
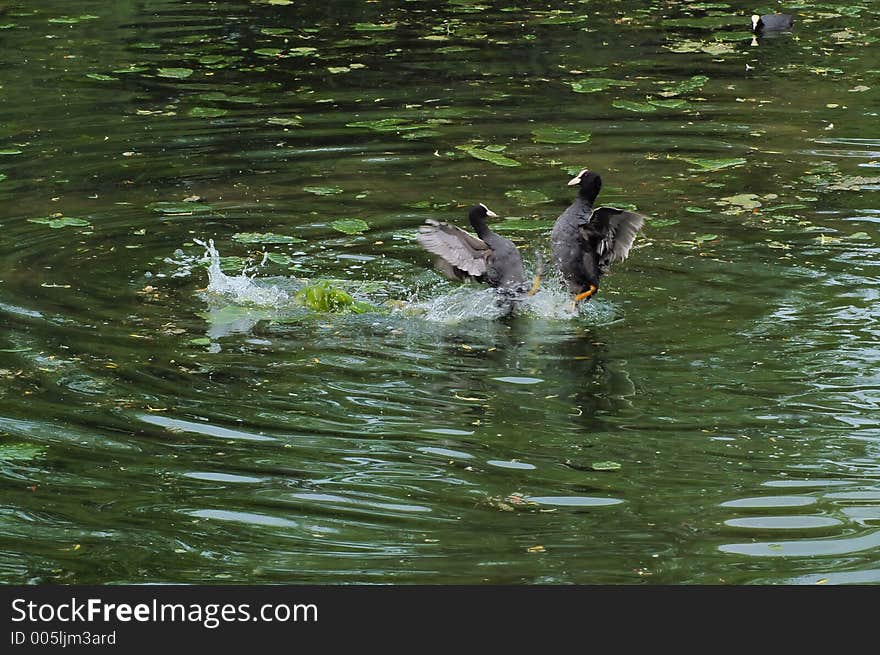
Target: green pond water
x=174 y=174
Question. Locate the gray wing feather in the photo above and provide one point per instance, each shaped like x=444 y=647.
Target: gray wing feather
x=455 y=246
x=616 y=230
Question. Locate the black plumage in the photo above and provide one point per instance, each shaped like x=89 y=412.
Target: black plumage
x=586 y=241
x=771 y=23
x=487 y=257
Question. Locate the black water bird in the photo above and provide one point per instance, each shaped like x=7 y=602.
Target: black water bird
x=771 y=23
x=487 y=257
x=586 y=241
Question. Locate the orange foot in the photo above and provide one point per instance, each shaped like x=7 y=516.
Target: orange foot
x=586 y=294
x=535 y=285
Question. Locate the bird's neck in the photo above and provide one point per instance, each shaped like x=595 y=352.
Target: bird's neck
x=583 y=205
x=587 y=196
x=481 y=226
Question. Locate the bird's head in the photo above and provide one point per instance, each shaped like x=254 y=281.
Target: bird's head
x=590 y=184
x=479 y=213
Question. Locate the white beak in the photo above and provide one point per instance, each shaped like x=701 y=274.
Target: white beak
x=490 y=213
x=574 y=180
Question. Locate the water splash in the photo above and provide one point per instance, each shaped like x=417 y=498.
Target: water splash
x=553 y=303
x=266 y=297
x=462 y=304
x=244 y=288
x=468 y=302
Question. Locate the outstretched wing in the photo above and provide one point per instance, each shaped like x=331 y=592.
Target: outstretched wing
x=610 y=234
x=454 y=246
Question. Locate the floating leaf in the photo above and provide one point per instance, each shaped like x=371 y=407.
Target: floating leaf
x=284 y=122
x=200 y=341
x=324 y=297
x=322 y=190
x=526 y=198
x=629 y=105
x=705 y=237
x=350 y=225
x=269 y=52
x=672 y=103
x=9 y=152
x=419 y=134
x=70 y=20
x=265 y=237
x=363 y=286
x=170 y=207
x=491 y=156
x=213 y=60
x=719 y=48
x=100 y=77
x=605 y=466
x=710 y=47
x=176 y=73
x=559 y=135
x=301 y=51
x=207 y=112
x=698 y=210
x=856 y=183
x=711 y=165
x=428 y=204
x=2 y=176
x=279 y=258
x=561 y=17
x=374 y=27
x=743 y=200
x=467 y=7
x=59 y=222
x=694 y=83
x=450 y=49
x=387 y=125
x=19 y=452
x=824 y=167
x=596 y=84
x=276 y=31
x=662 y=222
x=222 y=97
x=131 y=69
x=861 y=236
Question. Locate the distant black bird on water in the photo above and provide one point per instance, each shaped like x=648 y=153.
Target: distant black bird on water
x=585 y=242
x=488 y=257
x=771 y=23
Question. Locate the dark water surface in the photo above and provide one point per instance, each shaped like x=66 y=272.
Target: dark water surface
x=712 y=417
